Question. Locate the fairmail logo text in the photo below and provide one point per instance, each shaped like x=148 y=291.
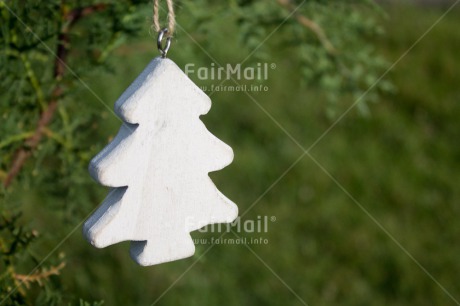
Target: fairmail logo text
x=229 y=71
x=258 y=225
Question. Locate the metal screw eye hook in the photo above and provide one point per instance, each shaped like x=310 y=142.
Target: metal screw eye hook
x=163 y=50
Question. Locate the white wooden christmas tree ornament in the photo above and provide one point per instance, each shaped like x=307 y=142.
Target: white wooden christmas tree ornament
x=157 y=167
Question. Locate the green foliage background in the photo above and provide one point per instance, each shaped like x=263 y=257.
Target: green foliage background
x=398 y=158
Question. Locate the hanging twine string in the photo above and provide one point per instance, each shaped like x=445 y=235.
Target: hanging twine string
x=171 y=17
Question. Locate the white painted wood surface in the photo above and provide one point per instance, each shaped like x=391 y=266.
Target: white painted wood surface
x=158 y=167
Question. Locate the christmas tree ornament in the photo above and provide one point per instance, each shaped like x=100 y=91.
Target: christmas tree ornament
x=157 y=166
